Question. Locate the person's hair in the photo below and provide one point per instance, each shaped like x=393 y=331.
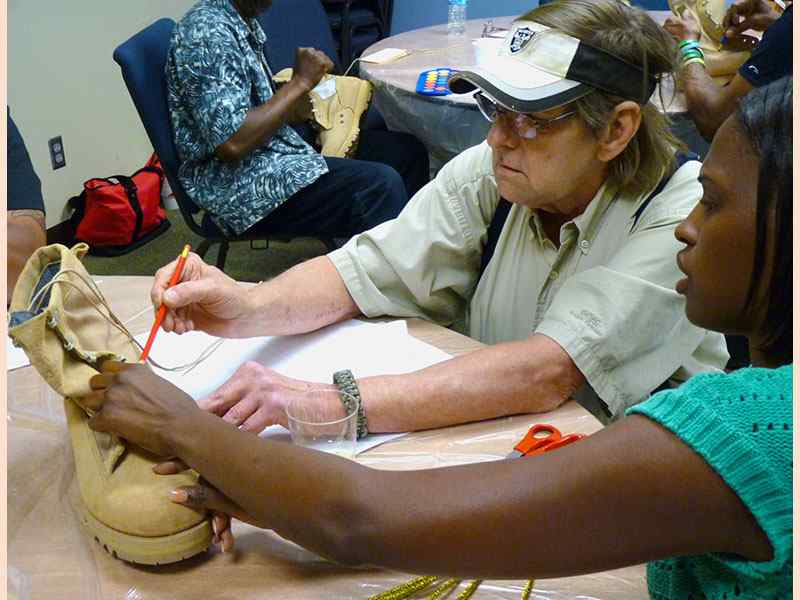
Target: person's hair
x=628 y=33
x=765 y=118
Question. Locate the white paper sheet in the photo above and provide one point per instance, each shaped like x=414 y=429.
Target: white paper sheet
x=366 y=349
x=386 y=55
x=15 y=357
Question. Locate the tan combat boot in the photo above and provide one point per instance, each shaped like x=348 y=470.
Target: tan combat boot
x=338 y=103
x=721 y=64
x=55 y=317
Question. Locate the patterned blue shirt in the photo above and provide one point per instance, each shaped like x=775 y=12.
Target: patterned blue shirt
x=216 y=72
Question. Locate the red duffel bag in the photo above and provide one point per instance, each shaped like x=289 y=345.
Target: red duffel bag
x=115 y=215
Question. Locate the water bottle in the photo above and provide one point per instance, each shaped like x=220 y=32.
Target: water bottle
x=456 y=17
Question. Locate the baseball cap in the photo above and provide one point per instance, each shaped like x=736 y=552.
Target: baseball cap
x=538 y=68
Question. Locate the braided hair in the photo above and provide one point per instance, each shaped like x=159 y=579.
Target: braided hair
x=765 y=118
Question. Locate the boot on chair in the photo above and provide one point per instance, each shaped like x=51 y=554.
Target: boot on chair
x=60 y=320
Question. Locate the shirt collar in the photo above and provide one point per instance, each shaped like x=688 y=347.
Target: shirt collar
x=244 y=28
x=587 y=222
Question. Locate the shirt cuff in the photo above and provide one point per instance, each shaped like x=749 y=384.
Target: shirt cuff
x=349 y=272
x=601 y=379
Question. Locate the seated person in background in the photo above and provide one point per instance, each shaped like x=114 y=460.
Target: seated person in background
x=25 y=218
x=577 y=298
x=244 y=163
x=709 y=105
x=697 y=480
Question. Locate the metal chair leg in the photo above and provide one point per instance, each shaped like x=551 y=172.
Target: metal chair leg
x=203 y=248
x=222 y=255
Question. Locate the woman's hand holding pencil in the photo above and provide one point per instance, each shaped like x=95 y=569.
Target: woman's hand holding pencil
x=203 y=298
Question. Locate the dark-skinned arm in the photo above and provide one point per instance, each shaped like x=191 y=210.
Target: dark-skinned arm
x=264 y=120
x=26 y=233
x=628 y=494
x=708 y=103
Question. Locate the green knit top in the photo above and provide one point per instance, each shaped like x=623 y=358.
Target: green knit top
x=741 y=424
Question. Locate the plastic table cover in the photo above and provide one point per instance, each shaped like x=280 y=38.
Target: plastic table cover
x=50 y=556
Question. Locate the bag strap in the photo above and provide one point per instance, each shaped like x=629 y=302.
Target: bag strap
x=149 y=169
x=495 y=227
x=681 y=158
x=129 y=185
x=78 y=206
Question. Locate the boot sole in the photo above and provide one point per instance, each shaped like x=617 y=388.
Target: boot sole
x=147 y=550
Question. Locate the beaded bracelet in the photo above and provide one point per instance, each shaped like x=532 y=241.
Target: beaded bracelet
x=346 y=383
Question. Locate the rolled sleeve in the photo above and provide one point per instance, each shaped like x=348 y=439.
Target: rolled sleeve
x=215 y=83
x=425 y=262
x=623 y=324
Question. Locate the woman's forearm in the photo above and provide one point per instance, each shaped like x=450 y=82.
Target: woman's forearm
x=283 y=487
x=304 y=298
x=564 y=513
x=534 y=375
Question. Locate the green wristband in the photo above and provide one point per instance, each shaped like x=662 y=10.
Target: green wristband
x=346 y=383
x=689 y=44
x=691 y=51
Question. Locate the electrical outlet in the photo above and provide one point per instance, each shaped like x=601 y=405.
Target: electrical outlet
x=57 y=156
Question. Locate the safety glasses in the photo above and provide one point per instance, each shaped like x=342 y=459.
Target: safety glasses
x=525 y=126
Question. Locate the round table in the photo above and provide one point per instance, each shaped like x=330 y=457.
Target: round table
x=447 y=125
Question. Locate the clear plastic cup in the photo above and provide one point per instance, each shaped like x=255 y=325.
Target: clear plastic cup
x=318 y=419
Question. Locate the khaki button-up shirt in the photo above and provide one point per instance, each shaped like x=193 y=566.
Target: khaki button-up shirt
x=606 y=294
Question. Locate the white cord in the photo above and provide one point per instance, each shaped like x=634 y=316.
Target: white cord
x=111 y=318
x=352 y=64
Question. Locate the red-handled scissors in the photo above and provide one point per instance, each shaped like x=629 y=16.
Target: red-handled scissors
x=542 y=438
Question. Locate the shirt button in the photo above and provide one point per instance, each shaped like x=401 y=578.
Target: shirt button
x=553 y=275
x=585 y=246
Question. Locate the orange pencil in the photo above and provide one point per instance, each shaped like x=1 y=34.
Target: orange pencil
x=162 y=310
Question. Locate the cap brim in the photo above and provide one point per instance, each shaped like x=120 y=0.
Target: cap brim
x=542 y=91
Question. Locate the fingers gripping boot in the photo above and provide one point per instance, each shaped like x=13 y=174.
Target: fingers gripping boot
x=55 y=316
x=721 y=64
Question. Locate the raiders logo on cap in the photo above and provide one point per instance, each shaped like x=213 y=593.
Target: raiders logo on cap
x=555 y=70
x=522 y=36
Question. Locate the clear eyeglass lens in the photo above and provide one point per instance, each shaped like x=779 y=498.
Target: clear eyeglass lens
x=525 y=127
x=522 y=124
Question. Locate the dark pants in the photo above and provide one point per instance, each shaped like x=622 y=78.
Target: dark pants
x=356 y=194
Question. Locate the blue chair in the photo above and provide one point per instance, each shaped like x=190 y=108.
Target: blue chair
x=142 y=60
x=290 y=24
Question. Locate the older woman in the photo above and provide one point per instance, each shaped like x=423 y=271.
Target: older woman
x=552 y=243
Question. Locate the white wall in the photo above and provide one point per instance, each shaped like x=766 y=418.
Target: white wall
x=63 y=81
